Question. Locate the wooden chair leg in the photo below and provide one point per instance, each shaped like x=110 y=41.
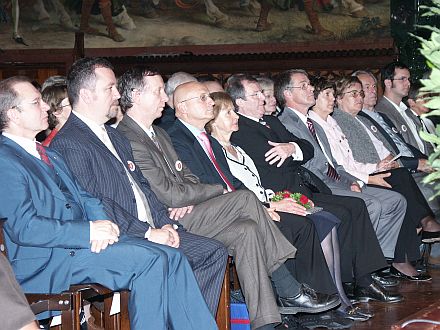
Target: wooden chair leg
x=223 y=317
x=124 y=317
x=70 y=318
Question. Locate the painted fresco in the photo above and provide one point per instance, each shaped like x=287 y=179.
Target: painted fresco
x=50 y=24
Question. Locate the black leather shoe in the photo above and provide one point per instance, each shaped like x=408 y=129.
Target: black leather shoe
x=376 y=292
x=430 y=236
x=307 y=301
x=386 y=281
x=421 y=277
x=354 y=313
x=289 y=322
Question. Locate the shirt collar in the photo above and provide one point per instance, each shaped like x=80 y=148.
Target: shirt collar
x=251 y=118
x=96 y=128
x=300 y=115
x=26 y=144
x=194 y=130
x=148 y=131
x=401 y=107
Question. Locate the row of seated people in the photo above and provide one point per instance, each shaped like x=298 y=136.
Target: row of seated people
x=274 y=243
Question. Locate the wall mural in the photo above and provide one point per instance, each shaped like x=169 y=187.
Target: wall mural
x=46 y=24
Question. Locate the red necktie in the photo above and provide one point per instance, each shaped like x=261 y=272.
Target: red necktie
x=331 y=172
x=205 y=139
x=43 y=154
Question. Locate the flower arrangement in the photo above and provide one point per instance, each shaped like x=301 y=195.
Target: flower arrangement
x=298 y=197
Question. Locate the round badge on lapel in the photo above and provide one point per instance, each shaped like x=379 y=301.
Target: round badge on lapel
x=178 y=165
x=404 y=129
x=394 y=129
x=131 y=165
x=374 y=128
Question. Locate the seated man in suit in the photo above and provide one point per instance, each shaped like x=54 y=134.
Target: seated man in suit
x=278 y=156
x=385 y=131
x=102 y=161
x=14 y=308
x=58 y=235
x=385 y=207
x=204 y=209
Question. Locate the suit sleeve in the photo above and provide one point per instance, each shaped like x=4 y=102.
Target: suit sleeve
x=28 y=226
x=80 y=163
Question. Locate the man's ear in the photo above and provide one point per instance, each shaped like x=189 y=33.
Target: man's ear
x=239 y=102
x=86 y=95
x=411 y=103
x=13 y=115
x=388 y=83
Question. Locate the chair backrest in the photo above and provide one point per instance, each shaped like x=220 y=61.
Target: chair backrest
x=2 y=238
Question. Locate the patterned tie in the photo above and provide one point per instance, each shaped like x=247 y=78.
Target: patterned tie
x=331 y=172
x=204 y=138
x=43 y=154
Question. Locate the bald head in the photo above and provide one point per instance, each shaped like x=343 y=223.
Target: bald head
x=193 y=104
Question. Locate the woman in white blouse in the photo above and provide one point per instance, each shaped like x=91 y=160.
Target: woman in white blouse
x=225 y=122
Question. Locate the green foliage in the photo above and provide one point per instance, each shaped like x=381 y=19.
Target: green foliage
x=430 y=49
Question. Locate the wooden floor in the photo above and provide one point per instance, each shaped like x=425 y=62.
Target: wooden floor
x=417 y=296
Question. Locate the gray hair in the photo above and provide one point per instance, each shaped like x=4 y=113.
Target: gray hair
x=177 y=79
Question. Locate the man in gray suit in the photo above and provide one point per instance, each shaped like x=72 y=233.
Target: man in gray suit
x=236 y=219
x=396 y=84
x=386 y=208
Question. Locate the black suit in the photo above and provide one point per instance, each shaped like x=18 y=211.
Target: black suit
x=309 y=265
x=360 y=250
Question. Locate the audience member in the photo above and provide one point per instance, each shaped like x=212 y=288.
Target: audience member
x=101 y=159
x=59 y=235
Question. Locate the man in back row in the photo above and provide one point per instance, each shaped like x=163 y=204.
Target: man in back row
x=58 y=235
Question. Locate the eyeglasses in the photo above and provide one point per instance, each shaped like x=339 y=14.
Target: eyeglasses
x=202 y=97
x=403 y=79
x=61 y=106
x=355 y=93
x=33 y=103
x=255 y=94
x=304 y=86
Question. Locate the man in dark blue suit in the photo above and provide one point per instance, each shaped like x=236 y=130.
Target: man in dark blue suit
x=102 y=161
x=58 y=235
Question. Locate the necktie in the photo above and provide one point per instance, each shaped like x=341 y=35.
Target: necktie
x=156 y=142
x=204 y=138
x=43 y=155
x=331 y=172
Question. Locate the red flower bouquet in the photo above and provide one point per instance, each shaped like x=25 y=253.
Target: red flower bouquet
x=298 y=197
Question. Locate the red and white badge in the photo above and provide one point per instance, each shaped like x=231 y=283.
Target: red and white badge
x=178 y=165
x=404 y=129
x=131 y=165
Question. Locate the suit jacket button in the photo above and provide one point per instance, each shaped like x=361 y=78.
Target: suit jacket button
x=72 y=253
x=68 y=206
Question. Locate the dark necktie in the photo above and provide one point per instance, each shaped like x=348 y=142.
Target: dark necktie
x=331 y=172
x=43 y=155
x=205 y=139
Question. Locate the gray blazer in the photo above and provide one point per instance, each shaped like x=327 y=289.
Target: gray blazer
x=384 y=106
x=170 y=179
x=318 y=164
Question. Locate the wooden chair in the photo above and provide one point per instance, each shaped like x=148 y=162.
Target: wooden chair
x=69 y=302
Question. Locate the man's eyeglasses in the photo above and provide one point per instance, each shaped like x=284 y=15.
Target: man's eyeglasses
x=202 y=97
x=255 y=94
x=403 y=79
x=304 y=86
x=355 y=93
x=33 y=103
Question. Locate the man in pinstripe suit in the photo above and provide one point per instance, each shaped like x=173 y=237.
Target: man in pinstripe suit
x=102 y=161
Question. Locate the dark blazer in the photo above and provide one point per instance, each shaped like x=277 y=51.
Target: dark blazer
x=408 y=162
x=87 y=155
x=253 y=137
x=192 y=154
x=172 y=181
x=41 y=228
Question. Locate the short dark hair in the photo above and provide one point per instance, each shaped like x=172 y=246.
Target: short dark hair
x=387 y=72
x=321 y=84
x=82 y=75
x=132 y=79
x=53 y=95
x=281 y=81
x=234 y=86
x=9 y=97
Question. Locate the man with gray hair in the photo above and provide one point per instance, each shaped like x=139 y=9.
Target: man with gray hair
x=168 y=114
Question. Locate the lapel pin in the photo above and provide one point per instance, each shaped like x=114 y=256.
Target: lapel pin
x=404 y=129
x=394 y=129
x=131 y=165
x=374 y=128
x=178 y=165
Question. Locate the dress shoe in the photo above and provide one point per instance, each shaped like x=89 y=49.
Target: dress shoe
x=329 y=320
x=307 y=301
x=430 y=236
x=421 y=277
x=376 y=292
x=385 y=281
x=289 y=322
x=354 y=313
